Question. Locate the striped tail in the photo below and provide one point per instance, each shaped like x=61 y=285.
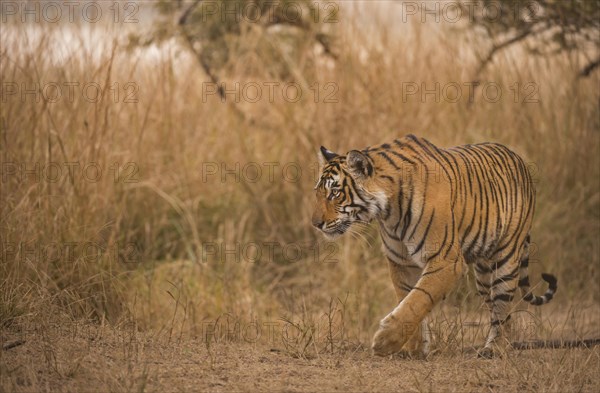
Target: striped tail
x=524 y=280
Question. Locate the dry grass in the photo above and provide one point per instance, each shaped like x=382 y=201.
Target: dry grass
x=68 y=356
x=151 y=282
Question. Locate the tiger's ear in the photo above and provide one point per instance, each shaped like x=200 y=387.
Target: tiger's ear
x=359 y=164
x=325 y=156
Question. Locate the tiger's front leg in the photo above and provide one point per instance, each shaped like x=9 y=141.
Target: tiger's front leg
x=404 y=277
x=438 y=278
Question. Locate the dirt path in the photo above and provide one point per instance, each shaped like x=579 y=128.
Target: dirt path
x=112 y=360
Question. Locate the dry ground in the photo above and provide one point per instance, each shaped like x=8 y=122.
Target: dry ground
x=76 y=357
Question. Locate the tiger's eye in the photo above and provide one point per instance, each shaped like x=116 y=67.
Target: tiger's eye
x=334 y=194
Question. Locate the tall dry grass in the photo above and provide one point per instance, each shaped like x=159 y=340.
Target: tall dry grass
x=155 y=223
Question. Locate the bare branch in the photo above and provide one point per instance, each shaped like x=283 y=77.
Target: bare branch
x=188 y=12
x=497 y=47
x=587 y=70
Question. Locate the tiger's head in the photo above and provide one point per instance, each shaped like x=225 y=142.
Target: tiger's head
x=346 y=192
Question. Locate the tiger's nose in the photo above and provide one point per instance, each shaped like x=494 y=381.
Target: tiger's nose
x=318 y=222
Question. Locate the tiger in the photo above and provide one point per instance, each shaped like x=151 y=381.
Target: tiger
x=439 y=210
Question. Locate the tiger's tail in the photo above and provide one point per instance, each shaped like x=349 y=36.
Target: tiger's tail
x=524 y=281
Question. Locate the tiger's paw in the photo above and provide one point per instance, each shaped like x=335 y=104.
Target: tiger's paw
x=389 y=338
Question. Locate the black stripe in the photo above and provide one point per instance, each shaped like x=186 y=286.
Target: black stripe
x=388 y=159
x=425 y=234
x=467 y=162
x=485 y=221
x=510 y=276
x=501 y=263
x=408 y=217
x=504 y=297
x=468 y=230
x=392 y=251
x=422 y=209
x=390 y=235
x=476 y=237
x=403 y=158
x=431 y=271
x=400 y=215
x=481 y=269
x=405 y=286
x=441 y=246
x=425 y=292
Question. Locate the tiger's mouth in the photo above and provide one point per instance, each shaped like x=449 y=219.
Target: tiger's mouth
x=333 y=233
x=335 y=229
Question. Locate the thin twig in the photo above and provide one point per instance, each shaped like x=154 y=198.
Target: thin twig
x=12 y=344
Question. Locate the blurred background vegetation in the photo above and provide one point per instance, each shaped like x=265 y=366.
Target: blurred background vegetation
x=169 y=125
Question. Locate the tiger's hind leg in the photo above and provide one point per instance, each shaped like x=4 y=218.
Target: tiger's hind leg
x=501 y=279
x=483 y=275
x=483 y=280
